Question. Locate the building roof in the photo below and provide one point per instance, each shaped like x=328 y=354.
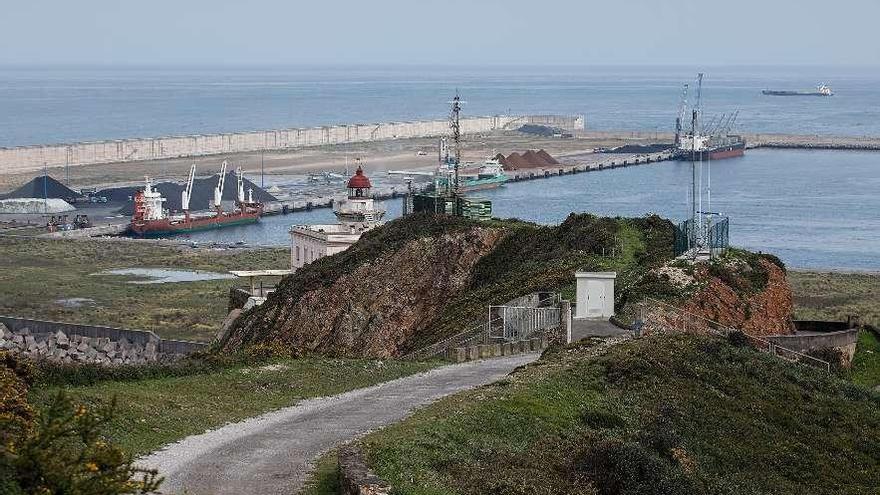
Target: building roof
x=260 y=273
x=359 y=180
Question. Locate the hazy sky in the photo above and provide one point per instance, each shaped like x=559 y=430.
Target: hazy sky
x=212 y=32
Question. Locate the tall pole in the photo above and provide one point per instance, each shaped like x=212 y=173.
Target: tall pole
x=262 y=171
x=45 y=188
x=456 y=137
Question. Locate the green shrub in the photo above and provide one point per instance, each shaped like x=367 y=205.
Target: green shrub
x=628 y=468
x=59 y=450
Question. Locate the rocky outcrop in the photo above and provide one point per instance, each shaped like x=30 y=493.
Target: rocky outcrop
x=373 y=308
x=744 y=291
x=767 y=311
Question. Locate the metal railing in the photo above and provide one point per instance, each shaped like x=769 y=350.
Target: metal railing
x=515 y=323
x=476 y=334
x=686 y=322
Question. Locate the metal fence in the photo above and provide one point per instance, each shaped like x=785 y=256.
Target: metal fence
x=514 y=323
x=715 y=235
x=672 y=319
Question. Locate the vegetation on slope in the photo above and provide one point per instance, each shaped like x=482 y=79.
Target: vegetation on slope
x=37 y=274
x=660 y=415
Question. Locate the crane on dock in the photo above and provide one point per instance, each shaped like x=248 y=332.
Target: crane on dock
x=218 y=191
x=186 y=194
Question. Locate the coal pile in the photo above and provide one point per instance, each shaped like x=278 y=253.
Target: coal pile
x=529 y=159
x=202 y=194
x=544 y=131
x=44 y=186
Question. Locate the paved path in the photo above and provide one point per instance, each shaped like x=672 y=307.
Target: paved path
x=272 y=453
x=585 y=328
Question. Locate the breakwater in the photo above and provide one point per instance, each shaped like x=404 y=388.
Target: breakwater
x=754 y=140
x=35 y=158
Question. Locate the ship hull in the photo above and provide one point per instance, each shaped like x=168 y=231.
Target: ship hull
x=719 y=153
x=468 y=185
x=793 y=93
x=166 y=227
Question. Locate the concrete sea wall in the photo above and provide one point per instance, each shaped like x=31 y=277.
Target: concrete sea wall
x=34 y=158
x=70 y=342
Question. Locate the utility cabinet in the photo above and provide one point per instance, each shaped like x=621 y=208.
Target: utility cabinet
x=595 y=294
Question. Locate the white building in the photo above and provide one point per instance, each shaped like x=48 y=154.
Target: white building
x=595 y=294
x=356 y=215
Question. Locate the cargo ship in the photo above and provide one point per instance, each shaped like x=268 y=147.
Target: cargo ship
x=710 y=147
x=712 y=141
x=151 y=219
x=821 y=90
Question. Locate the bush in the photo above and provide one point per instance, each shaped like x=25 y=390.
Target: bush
x=64 y=453
x=621 y=468
x=59 y=451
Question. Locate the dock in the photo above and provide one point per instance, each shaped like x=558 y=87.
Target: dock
x=575 y=164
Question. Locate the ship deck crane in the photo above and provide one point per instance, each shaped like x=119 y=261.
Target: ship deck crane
x=218 y=191
x=186 y=195
x=239 y=176
x=682 y=107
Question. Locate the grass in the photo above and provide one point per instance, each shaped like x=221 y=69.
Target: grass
x=866 y=362
x=659 y=415
x=154 y=412
x=324 y=479
x=835 y=296
x=36 y=273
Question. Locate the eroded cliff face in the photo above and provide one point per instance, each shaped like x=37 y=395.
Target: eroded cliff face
x=761 y=312
x=748 y=292
x=374 y=309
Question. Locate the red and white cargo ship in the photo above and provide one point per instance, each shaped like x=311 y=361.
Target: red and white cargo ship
x=151 y=219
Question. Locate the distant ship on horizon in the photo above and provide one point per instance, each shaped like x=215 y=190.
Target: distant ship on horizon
x=821 y=90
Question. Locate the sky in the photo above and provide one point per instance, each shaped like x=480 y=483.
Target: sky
x=418 y=32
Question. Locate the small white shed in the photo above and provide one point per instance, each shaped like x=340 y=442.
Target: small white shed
x=595 y=294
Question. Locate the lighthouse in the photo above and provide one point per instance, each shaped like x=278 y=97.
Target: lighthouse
x=357 y=214
x=359 y=211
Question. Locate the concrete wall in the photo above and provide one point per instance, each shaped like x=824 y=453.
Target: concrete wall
x=804 y=343
x=140 y=337
x=33 y=158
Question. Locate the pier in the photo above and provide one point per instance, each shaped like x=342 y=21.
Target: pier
x=575 y=165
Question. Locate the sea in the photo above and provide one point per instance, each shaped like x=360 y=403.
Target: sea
x=815 y=209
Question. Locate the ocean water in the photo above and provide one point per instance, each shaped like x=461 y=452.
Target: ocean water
x=814 y=209
x=52 y=105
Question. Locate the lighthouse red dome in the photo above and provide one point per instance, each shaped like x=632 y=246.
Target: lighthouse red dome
x=359 y=180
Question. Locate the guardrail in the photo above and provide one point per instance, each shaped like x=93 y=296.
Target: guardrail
x=471 y=336
x=514 y=323
x=687 y=322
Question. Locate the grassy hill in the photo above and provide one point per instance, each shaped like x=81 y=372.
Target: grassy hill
x=428 y=277
x=660 y=415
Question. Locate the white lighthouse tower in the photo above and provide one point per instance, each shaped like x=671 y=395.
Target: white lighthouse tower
x=357 y=214
x=359 y=211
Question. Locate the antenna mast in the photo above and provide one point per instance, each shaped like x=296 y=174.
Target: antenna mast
x=456 y=137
